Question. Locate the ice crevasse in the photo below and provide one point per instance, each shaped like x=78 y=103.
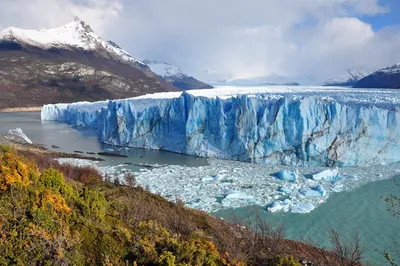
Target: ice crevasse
x=261 y=128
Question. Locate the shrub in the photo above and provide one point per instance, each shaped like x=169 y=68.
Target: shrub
x=46 y=219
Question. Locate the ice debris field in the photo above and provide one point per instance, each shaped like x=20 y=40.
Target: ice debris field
x=229 y=184
x=284 y=144
x=309 y=126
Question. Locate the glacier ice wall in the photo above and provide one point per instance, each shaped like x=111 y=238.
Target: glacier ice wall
x=83 y=114
x=294 y=130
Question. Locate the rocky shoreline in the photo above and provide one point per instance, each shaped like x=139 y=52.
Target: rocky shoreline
x=21 y=109
x=36 y=148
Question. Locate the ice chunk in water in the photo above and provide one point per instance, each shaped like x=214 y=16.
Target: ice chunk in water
x=321 y=190
x=318 y=191
x=328 y=174
x=239 y=195
x=302 y=208
x=286 y=176
x=277 y=206
x=18 y=135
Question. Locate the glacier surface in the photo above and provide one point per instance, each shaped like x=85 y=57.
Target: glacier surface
x=309 y=126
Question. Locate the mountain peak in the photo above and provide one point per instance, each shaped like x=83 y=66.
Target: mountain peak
x=348 y=78
x=77 y=19
x=391 y=69
x=80 y=23
x=164 y=69
x=76 y=35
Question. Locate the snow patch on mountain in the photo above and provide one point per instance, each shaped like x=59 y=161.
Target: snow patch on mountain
x=394 y=69
x=175 y=76
x=72 y=36
x=164 y=70
x=349 y=78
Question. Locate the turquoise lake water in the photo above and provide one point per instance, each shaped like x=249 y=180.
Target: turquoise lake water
x=362 y=210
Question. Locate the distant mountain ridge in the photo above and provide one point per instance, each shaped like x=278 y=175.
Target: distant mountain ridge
x=69 y=63
x=348 y=79
x=388 y=77
x=265 y=81
x=175 y=76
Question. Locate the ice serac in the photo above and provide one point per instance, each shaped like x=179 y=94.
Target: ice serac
x=313 y=128
x=284 y=130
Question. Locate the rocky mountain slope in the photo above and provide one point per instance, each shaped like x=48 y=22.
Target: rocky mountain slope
x=69 y=63
x=348 y=79
x=175 y=76
x=388 y=77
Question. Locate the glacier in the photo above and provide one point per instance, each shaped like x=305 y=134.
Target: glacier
x=309 y=126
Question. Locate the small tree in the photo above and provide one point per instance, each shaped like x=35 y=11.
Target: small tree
x=350 y=252
x=117 y=182
x=344 y=251
x=130 y=179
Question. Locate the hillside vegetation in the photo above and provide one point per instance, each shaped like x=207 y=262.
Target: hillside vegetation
x=49 y=219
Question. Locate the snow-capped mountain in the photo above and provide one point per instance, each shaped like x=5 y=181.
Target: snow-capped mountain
x=175 y=76
x=266 y=81
x=388 y=77
x=348 y=79
x=72 y=36
x=68 y=63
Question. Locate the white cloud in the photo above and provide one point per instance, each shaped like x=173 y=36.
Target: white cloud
x=239 y=38
x=52 y=13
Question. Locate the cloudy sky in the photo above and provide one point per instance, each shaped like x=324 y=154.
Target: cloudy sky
x=234 y=38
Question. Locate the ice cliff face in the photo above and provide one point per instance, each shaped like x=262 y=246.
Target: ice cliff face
x=294 y=129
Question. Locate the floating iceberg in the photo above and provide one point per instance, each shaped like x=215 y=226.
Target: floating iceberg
x=277 y=206
x=318 y=191
x=286 y=175
x=302 y=208
x=275 y=125
x=328 y=174
x=18 y=135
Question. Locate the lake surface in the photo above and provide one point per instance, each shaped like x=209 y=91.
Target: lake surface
x=361 y=210
x=69 y=139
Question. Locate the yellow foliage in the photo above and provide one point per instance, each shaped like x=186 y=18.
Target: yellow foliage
x=286 y=261
x=57 y=202
x=14 y=172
